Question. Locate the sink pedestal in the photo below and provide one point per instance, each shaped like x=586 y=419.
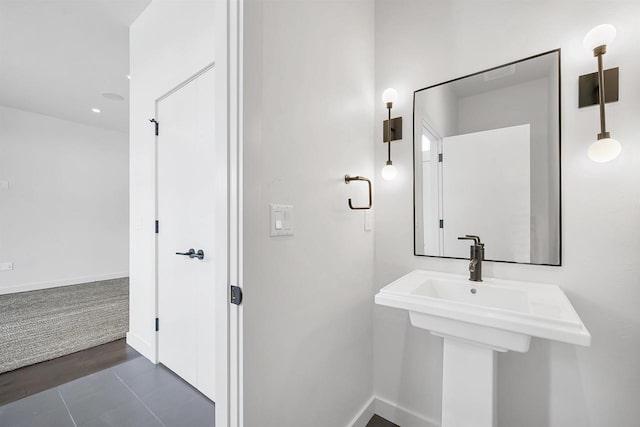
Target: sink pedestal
x=476 y=321
x=468 y=384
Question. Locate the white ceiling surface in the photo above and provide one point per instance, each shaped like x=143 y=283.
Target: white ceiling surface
x=58 y=57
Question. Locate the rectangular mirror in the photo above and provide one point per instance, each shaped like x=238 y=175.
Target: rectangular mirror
x=487 y=162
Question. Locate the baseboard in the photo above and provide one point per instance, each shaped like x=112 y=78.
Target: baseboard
x=364 y=414
x=25 y=287
x=392 y=412
x=141 y=346
x=402 y=416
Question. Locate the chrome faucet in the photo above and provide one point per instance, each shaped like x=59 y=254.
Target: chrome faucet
x=475 y=258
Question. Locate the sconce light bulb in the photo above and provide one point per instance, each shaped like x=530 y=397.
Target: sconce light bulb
x=604 y=150
x=601 y=35
x=390 y=95
x=389 y=172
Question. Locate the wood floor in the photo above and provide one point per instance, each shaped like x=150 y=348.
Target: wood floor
x=33 y=379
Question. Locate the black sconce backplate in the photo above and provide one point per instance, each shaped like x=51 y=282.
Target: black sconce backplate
x=396 y=130
x=589 y=90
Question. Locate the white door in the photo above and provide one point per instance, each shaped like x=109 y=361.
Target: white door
x=187 y=202
x=486 y=191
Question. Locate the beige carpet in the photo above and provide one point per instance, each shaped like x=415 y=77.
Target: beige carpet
x=41 y=325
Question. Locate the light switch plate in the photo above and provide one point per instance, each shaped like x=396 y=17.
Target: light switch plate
x=281 y=220
x=4 y=185
x=6 y=266
x=368 y=220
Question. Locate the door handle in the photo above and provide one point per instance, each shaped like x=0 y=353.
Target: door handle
x=192 y=253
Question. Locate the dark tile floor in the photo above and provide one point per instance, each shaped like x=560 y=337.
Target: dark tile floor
x=136 y=393
x=378 y=421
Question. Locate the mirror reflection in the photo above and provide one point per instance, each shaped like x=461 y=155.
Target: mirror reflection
x=487 y=163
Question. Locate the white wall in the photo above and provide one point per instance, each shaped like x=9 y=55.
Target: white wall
x=308 y=96
x=423 y=42
x=169 y=42
x=63 y=220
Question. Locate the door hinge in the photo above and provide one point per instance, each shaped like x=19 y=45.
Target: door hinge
x=236 y=295
x=157 y=226
x=157 y=324
x=155 y=122
x=442 y=223
x=439 y=157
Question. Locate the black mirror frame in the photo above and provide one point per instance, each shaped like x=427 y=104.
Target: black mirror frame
x=560 y=228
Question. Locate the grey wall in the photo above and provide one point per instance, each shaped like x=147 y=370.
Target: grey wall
x=422 y=42
x=308 y=120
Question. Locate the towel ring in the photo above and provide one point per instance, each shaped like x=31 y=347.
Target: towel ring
x=348 y=179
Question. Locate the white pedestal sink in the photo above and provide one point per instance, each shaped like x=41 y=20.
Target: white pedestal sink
x=477 y=319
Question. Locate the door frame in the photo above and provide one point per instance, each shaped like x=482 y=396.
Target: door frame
x=436 y=139
x=228 y=47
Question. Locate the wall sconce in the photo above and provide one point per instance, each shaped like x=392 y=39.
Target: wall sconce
x=392 y=131
x=592 y=91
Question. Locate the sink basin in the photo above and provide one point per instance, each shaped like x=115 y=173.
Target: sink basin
x=477 y=319
x=502 y=314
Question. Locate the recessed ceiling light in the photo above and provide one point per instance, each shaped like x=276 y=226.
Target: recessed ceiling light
x=95 y=110
x=129 y=76
x=113 y=96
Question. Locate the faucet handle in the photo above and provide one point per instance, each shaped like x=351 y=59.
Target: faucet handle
x=476 y=239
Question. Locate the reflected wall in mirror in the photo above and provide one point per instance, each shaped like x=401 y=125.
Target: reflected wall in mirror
x=487 y=162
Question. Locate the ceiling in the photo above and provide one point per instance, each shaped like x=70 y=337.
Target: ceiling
x=58 y=57
x=545 y=66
